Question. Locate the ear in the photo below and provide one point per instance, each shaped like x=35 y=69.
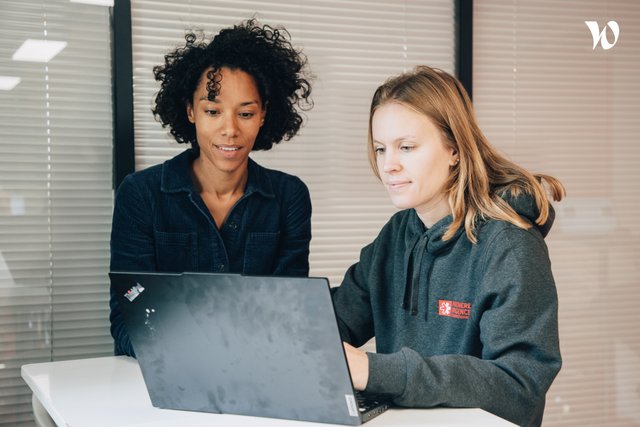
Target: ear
x=454 y=157
x=263 y=115
x=190 y=113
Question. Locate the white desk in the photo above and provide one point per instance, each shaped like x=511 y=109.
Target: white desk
x=110 y=391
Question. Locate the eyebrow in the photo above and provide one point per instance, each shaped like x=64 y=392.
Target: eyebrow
x=242 y=104
x=395 y=140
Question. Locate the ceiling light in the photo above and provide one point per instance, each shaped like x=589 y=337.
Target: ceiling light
x=38 y=50
x=96 y=2
x=8 y=83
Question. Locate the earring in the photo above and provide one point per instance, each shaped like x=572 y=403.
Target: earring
x=456 y=162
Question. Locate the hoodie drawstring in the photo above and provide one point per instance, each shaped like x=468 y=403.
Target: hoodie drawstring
x=425 y=249
x=412 y=287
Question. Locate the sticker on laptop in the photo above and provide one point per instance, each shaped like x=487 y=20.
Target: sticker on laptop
x=134 y=292
x=351 y=405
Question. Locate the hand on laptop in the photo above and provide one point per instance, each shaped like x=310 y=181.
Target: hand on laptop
x=358 y=366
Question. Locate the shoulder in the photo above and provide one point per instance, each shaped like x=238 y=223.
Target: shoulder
x=140 y=180
x=136 y=194
x=506 y=233
x=152 y=173
x=514 y=265
x=172 y=174
x=282 y=184
x=503 y=240
x=278 y=176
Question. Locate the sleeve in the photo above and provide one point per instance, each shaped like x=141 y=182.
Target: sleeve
x=132 y=249
x=293 y=251
x=352 y=302
x=519 y=337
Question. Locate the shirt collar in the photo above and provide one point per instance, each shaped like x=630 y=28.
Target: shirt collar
x=176 y=176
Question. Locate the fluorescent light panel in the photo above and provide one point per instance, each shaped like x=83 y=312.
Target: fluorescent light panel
x=38 y=50
x=8 y=82
x=96 y=2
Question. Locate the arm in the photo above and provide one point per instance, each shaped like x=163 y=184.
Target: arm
x=358 y=362
x=132 y=249
x=293 y=251
x=352 y=304
x=518 y=330
x=355 y=321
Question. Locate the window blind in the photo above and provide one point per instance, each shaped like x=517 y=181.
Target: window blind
x=55 y=193
x=352 y=47
x=555 y=104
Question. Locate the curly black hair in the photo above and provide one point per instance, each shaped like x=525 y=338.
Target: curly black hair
x=261 y=51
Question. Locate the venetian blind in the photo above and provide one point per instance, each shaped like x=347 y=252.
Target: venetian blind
x=556 y=104
x=352 y=47
x=55 y=193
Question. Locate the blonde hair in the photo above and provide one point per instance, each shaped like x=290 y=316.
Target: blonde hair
x=483 y=175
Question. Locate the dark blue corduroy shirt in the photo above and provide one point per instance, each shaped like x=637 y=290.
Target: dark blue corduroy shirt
x=160 y=223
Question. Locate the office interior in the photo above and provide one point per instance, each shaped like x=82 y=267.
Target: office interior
x=76 y=91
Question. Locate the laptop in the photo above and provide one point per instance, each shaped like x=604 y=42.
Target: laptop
x=234 y=344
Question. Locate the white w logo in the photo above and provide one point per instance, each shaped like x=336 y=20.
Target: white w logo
x=601 y=36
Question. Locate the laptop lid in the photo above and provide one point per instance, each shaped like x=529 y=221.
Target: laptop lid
x=226 y=343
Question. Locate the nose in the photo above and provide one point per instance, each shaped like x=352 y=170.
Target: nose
x=389 y=162
x=230 y=126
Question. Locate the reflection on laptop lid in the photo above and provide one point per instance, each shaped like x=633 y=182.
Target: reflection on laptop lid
x=226 y=343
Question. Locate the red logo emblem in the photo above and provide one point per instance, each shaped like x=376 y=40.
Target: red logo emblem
x=458 y=310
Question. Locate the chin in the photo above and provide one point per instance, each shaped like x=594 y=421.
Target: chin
x=402 y=203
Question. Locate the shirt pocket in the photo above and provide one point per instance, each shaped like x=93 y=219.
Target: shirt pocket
x=176 y=252
x=260 y=253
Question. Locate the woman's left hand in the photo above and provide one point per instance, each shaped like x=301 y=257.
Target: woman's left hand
x=358 y=366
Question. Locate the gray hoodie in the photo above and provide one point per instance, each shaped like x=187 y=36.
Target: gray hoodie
x=457 y=324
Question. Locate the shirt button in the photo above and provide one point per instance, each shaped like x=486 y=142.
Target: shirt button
x=233 y=225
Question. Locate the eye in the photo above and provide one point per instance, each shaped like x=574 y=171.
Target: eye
x=247 y=115
x=211 y=112
x=378 y=150
x=406 y=148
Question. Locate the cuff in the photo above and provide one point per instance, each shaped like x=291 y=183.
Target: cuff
x=387 y=374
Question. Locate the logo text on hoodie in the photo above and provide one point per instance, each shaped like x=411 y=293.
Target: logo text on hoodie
x=458 y=310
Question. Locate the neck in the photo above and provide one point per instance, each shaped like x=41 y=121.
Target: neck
x=222 y=184
x=433 y=213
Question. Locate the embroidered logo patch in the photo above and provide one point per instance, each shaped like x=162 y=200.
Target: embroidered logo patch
x=458 y=310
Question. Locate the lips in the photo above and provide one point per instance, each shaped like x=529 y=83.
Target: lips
x=228 y=148
x=397 y=185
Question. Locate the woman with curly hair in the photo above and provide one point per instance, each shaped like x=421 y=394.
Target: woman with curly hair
x=457 y=288
x=212 y=208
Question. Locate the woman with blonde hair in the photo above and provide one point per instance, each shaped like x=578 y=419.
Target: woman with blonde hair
x=457 y=288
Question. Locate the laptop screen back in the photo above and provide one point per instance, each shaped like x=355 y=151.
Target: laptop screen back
x=263 y=346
